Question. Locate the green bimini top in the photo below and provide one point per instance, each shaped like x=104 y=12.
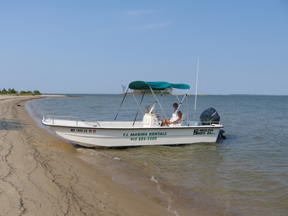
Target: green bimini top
x=141 y=85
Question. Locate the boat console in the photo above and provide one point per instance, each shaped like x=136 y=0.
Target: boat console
x=150 y=117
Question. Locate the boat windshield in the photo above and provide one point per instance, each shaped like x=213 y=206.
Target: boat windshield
x=149 y=108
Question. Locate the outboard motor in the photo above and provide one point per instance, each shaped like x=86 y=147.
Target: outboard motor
x=209 y=116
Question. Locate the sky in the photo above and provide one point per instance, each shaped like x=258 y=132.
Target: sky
x=96 y=46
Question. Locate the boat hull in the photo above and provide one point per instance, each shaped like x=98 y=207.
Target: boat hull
x=125 y=137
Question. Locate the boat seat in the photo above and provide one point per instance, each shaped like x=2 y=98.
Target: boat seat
x=182 y=119
x=180 y=122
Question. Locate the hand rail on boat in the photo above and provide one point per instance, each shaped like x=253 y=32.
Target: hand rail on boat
x=69 y=118
x=97 y=123
x=61 y=117
x=203 y=123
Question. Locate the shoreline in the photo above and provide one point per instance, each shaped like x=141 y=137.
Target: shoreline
x=41 y=175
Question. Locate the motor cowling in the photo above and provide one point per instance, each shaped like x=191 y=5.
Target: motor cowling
x=209 y=116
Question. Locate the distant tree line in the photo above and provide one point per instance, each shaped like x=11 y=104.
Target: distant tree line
x=13 y=91
x=167 y=91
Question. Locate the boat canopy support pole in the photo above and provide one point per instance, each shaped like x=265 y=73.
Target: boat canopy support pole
x=139 y=107
x=161 y=104
x=156 y=101
x=180 y=102
x=137 y=103
x=176 y=96
x=187 y=110
x=121 y=104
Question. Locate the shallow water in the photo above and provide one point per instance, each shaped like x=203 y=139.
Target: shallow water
x=246 y=174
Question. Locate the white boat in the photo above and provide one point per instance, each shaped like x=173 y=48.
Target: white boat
x=140 y=133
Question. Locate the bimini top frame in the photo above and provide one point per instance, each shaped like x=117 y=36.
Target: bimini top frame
x=142 y=85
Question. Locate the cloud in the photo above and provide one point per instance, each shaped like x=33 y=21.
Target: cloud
x=138 y=12
x=154 y=26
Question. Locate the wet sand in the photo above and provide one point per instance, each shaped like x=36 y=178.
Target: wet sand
x=40 y=174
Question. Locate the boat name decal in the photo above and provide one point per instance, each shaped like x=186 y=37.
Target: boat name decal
x=144 y=136
x=203 y=131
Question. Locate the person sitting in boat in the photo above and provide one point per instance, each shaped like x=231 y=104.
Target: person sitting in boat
x=176 y=116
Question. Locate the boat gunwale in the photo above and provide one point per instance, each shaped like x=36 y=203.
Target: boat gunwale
x=139 y=128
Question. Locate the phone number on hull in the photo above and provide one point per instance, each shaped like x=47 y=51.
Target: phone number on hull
x=143 y=138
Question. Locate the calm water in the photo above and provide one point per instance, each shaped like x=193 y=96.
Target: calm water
x=246 y=174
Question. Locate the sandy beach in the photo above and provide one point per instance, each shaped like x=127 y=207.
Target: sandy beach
x=40 y=174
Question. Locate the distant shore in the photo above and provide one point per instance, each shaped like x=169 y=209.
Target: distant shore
x=41 y=175
x=31 y=97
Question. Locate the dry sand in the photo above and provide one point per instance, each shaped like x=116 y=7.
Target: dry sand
x=40 y=174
